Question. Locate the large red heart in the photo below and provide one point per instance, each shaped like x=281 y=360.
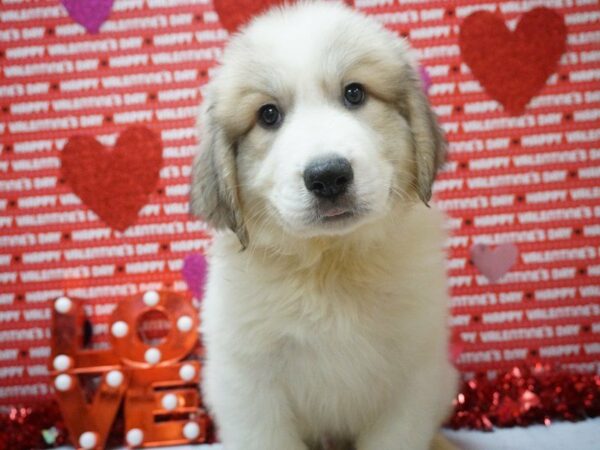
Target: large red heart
x=513 y=66
x=235 y=13
x=114 y=183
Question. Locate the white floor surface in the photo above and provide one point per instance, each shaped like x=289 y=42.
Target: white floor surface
x=558 y=436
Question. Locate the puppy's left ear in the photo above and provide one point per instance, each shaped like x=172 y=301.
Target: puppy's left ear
x=429 y=145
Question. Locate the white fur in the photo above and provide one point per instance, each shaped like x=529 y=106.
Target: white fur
x=316 y=331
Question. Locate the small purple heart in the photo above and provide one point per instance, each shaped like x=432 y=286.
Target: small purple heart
x=494 y=263
x=425 y=79
x=89 y=13
x=194 y=273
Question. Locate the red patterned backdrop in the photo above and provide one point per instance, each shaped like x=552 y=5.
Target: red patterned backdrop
x=523 y=183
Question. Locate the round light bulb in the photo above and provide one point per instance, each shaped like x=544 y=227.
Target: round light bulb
x=187 y=372
x=63 y=382
x=61 y=363
x=134 y=437
x=191 y=431
x=184 y=323
x=63 y=305
x=119 y=329
x=169 y=402
x=151 y=298
x=114 y=378
x=152 y=356
x=88 y=440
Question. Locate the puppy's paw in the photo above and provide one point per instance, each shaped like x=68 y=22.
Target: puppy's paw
x=440 y=442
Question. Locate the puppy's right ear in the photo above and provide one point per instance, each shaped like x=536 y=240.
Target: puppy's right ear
x=213 y=194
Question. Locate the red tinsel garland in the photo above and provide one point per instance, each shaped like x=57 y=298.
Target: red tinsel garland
x=519 y=397
x=21 y=427
x=524 y=397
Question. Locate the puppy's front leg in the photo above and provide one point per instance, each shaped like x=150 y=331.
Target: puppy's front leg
x=396 y=430
x=251 y=412
x=412 y=419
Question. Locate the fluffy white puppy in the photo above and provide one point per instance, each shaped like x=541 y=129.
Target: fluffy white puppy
x=324 y=317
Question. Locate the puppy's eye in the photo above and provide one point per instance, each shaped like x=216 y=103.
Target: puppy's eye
x=269 y=116
x=354 y=95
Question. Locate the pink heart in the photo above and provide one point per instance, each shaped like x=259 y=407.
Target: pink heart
x=494 y=263
x=194 y=273
x=89 y=13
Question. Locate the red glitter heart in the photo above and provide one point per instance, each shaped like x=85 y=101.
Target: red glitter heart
x=513 y=66
x=235 y=13
x=114 y=183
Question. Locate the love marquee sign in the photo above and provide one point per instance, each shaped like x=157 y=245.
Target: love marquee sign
x=154 y=383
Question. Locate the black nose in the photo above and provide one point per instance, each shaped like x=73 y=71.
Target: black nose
x=328 y=177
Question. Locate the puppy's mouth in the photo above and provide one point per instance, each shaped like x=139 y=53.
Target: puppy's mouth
x=339 y=212
x=334 y=214
x=322 y=217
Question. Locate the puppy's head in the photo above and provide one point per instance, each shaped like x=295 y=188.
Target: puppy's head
x=315 y=124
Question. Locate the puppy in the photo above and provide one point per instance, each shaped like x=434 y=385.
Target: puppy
x=324 y=317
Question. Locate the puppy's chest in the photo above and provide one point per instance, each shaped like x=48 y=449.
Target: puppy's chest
x=330 y=362
x=334 y=350
x=338 y=314
x=330 y=342
x=322 y=316
x=338 y=339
